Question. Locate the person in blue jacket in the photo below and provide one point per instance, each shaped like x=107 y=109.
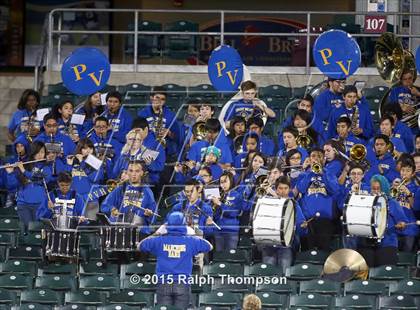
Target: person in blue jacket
x=381 y=160
x=227 y=210
x=174 y=252
x=31 y=180
x=132 y=199
x=157 y=114
x=405 y=94
x=198 y=213
x=363 y=128
x=401 y=130
x=119 y=119
x=50 y=206
x=256 y=124
x=383 y=251
x=345 y=135
x=63 y=113
x=290 y=135
x=386 y=127
x=329 y=99
x=294 y=165
x=250 y=143
x=91 y=108
x=237 y=132
x=334 y=160
x=24 y=118
x=84 y=175
x=279 y=255
x=52 y=137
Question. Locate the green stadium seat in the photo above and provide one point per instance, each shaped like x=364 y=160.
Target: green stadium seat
x=97 y=267
x=232 y=256
x=35 y=226
x=131 y=297
x=119 y=307
x=53 y=99
x=25 y=253
x=405 y=258
x=143 y=285
x=202 y=90
x=299 y=92
x=9 y=225
x=7 y=297
x=397 y=302
x=303 y=272
x=99 y=282
x=356 y=301
x=56 y=282
x=108 y=88
x=7 y=239
x=277 y=91
x=147 y=45
x=375 y=92
x=40 y=296
x=227 y=286
x=57 y=268
x=245 y=243
x=320 y=286
x=388 y=273
x=33 y=239
x=175 y=90
x=181 y=46
x=161 y=307
x=8 y=213
x=84 y=297
x=139 y=268
x=135 y=90
x=405 y=287
x=18 y=267
x=218 y=298
x=365 y=287
x=282 y=288
x=311 y=257
x=35 y=306
x=272 y=300
x=15 y=281
x=58 y=89
x=218 y=269
x=262 y=270
x=311 y=300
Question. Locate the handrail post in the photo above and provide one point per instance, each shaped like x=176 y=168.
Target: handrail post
x=60 y=21
x=50 y=40
x=308 y=43
x=222 y=27
x=136 y=26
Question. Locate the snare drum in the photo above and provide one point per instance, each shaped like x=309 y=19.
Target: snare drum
x=365 y=216
x=62 y=243
x=274 y=221
x=121 y=238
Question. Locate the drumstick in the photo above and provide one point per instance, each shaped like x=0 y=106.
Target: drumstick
x=201 y=211
x=46 y=189
x=412 y=223
x=312 y=218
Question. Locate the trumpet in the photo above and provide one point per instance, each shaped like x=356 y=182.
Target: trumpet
x=261 y=185
x=14 y=165
x=316 y=168
x=304 y=141
x=395 y=191
x=113 y=184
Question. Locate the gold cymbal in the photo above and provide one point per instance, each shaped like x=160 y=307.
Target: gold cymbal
x=351 y=259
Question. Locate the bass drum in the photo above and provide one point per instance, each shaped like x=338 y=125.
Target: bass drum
x=274 y=221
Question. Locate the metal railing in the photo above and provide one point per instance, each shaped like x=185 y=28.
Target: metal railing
x=55 y=17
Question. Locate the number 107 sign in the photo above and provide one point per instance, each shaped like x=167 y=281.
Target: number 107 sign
x=375 y=24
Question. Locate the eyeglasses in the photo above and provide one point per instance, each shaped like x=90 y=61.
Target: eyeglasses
x=51 y=125
x=101 y=127
x=205 y=175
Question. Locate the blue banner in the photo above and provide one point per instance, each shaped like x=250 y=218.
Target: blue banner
x=85 y=71
x=337 y=54
x=225 y=68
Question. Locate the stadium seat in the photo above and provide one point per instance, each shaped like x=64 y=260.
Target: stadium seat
x=84 y=297
x=25 y=253
x=282 y=288
x=148 y=45
x=18 y=267
x=202 y=90
x=397 y=302
x=227 y=286
x=217 y=298
x=181 y=46
x=78 y=307
x=35 y=306
x=388 y=273
x=97 y=267
x=272 y=300
x=139 y=268
x=218 y=269
x=53 y=99
x=118 y=307
x=303 y=272
x=405 y=258
x=40 y=296
x=365 y=287
x=232 y=256
x=161 y=307
x=15 y=281
x=262 y=270
x=7 y=297
x=57 y=268
x=276 y=91
x=58 y=89
x=299 y=92
x=320 y=286
x=405 y=287
x=356 y=301
x=56 y=282
x=35 y=226
x=143 y=285
x=131 y=297
x=9 y=225
x=175 y=90
x=375 y=92
x=33 y=239
x=135 y=91
x=245 y=243
x=99 y=282
x=311 y=257
x=311 y=300
x=8 y=213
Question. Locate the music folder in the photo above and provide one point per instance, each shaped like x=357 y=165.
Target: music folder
x=92 y=209
x=211 y=191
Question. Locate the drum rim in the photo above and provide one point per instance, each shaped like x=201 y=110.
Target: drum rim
x=282 y=228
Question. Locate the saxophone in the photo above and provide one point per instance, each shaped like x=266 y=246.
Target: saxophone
x=159 y=127
x=355 y=119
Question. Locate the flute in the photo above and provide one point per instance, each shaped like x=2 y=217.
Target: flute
x=16 y=163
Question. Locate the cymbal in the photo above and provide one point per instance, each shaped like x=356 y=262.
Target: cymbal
x=348 y=258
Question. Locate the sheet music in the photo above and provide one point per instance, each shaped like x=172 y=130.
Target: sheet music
x=40 y=113
x=93 y=161
x=77 y=119
x=103 y=98
x=212 y=191
x=149 y=154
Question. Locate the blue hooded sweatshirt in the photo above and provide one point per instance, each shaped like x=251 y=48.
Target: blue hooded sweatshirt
x=120 y=122
x=84 y=177
x=67 y=145
x=326 y=102
x=175 y=251
x=227 y=215
x=19 y=121
x=198 y=150
x=72 y=210
x=198 y=218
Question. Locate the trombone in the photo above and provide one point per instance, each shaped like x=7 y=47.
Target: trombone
x=14 y=165
x=395 y=191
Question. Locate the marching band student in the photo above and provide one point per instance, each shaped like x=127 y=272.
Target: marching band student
x=334 y=161
x=31 y=180
x=63 y=113
x=238 y=125
x=248 y=106
x=103 y=140
x=162 y=121
x=417 y=144
x=356 y=111
x=405 y=94
x=290 y=135
x=383 y=252
x=91 y=109
x=406 y=188
x=227 y=209
x=174 y=252
x=329 y=99
x=119 y=119
x=250 y=143
x=282 y=256
x=132 y=198
x=215 y=136
x=75 y=205
x=24 y=119
x=345 y=135
x=386 y=127
x=401 y=130
x=318 y=188
x=206 y=111
x=275 y=171
x=293 y=160
x=84 y=176
x=266 y=145
x=198 y=213
x=416 y=158
x=136 y=148
x=381 y=160
x=51 y=135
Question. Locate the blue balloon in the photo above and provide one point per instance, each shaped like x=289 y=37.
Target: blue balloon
x=336 y=54
x=418 y=59
x=85 y=71
x=225 y=68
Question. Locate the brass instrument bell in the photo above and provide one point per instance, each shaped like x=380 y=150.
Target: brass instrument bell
x=316 y=168
x=345 y=264
x=199 y=131
x=261 y=185
x=358 y=152
x=304 y=141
